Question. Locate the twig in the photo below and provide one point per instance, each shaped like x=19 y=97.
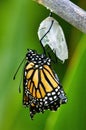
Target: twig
x=68 y=11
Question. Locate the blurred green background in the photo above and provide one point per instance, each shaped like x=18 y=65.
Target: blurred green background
x=19 y=21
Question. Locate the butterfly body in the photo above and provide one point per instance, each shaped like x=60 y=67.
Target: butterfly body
x=42 y=89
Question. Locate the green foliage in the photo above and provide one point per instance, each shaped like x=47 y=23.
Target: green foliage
x=18 y=31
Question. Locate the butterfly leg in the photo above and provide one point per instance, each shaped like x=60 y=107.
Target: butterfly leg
x=49 y=54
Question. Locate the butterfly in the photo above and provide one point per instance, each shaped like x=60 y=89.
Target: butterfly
x=41 y=87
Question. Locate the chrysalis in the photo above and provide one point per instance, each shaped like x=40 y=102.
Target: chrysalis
x=50 y=33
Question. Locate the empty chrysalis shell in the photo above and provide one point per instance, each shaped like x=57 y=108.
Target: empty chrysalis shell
x=50 y=33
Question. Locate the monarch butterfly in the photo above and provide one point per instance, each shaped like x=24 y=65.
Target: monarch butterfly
x=42 y=89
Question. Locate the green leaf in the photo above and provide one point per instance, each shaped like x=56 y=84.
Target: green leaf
x=72 y=116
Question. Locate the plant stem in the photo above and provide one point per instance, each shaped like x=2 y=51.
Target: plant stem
x=68 y=11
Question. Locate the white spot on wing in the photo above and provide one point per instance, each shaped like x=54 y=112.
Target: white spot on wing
x=50 y=99
x=53 y=93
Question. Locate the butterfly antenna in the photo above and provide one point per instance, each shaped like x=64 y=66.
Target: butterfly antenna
x=20 y=84
x=18 y=69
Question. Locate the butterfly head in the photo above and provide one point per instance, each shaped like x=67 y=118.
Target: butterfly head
x=39 y=59
x=30 y=55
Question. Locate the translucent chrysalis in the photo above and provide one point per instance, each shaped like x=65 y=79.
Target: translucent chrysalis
x=50 y=33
